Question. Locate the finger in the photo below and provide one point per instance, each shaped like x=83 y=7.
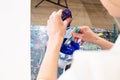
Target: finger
x=78 y=35
x=67 y=21
x=52 y=15
x=75 y=39
x=60 y=12
x=81 y=43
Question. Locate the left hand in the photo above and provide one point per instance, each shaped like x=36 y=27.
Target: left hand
x=55 y=26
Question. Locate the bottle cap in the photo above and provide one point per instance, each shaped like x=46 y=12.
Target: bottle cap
x=66 y=14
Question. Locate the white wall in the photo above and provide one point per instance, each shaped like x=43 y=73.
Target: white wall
x=14 y=40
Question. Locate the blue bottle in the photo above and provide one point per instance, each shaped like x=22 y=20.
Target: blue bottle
x=65 y=57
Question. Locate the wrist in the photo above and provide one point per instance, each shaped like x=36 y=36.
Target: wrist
x=56 y=38
x=96 y=40
x=55 y=41
x=54 y=45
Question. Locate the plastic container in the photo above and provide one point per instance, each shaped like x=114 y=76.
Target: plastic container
x=66 y=54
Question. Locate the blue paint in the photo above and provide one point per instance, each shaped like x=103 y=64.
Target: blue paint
x=69 y=49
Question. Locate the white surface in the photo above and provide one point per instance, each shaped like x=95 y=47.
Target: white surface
x=15 y=40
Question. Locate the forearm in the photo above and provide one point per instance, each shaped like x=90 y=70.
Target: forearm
x=104 y=44
x=48 y=70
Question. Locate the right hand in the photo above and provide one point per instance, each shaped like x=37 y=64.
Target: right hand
x=86 y=34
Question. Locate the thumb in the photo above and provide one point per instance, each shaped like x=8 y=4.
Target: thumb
x=78 y=35
x=67 y=21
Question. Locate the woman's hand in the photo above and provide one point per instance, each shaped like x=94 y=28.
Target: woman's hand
x=86 y=34
x=55 y=26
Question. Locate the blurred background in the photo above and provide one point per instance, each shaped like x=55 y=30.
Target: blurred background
x=84 y=12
